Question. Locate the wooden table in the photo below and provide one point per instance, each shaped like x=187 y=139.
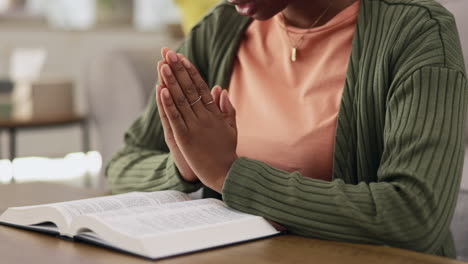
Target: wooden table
x=12 y=125
x=19 y=246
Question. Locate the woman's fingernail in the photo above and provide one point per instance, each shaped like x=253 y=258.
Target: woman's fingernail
x=172 y=56
x=165 y=93
x=167 y=70
x=186 y=63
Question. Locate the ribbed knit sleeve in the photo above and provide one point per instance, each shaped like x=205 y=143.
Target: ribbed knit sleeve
x=411 y=204
x=141 y=169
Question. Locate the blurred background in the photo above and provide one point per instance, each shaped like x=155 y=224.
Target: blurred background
x=74 y=75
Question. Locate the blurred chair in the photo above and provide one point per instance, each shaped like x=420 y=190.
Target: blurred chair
x=460 y=224
x=119 y=84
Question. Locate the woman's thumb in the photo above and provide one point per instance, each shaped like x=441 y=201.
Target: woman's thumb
x=227 y=109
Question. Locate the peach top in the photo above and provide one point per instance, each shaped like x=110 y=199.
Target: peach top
x=287 y=111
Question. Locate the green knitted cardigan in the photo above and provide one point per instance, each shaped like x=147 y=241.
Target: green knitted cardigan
x=399 y=145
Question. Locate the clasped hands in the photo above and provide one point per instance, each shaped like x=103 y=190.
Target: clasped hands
x=199 y=125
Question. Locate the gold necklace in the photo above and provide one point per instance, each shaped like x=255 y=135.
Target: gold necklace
x=299 y=42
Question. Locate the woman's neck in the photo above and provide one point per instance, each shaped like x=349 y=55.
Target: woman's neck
x=304 y=13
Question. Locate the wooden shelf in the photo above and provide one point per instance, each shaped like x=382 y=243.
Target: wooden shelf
x=40 y=122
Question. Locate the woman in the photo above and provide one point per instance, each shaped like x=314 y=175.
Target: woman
x=349 y=122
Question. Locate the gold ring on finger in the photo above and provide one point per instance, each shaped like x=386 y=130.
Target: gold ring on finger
x=210 y=102
x=196 y=101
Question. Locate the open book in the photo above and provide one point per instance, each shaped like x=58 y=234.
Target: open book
x=153 y=225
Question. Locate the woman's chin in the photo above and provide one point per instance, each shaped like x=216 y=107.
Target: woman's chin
x=261 y=17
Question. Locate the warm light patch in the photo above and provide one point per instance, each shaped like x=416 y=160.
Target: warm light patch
x=74 y=166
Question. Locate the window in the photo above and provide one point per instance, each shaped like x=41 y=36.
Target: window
x=85 y=14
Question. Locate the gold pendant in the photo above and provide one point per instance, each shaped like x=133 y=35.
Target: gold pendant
x=293 y=54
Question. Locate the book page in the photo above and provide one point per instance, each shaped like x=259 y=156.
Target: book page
x=116 y=202
x=44 y=218
x=150 y=221
x=171 y=229
x=62 y=214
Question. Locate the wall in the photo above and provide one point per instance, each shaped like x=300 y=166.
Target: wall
x=69 y=54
